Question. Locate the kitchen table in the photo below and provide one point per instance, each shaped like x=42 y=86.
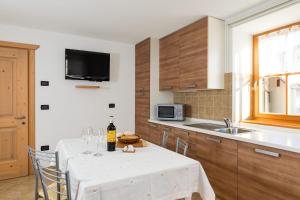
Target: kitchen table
x=151 y=173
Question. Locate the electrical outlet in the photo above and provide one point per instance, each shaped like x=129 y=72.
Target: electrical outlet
x=45 y=148
x=45 y=107
x=112 y=105
x=44 y=83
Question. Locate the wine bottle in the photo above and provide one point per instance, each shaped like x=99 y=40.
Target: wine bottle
x=111 y=136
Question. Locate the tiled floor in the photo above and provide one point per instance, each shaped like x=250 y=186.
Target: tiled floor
x=23 y=189
x=17 y=189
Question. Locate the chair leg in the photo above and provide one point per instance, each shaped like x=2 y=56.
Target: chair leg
x=36 y=189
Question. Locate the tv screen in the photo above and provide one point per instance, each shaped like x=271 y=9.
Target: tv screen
x=86 y=65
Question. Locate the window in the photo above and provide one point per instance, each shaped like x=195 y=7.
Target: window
x=276 y=77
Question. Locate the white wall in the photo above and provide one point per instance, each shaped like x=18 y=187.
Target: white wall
x=242 y=74
x=72 y=109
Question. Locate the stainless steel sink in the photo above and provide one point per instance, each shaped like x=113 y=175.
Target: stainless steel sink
x=207 y=126
x=233 y=130
x=220 y=128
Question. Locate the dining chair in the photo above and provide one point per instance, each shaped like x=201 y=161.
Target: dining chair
x=181 y=146
x=49 y=176
x=165 y=138
x=50 y=160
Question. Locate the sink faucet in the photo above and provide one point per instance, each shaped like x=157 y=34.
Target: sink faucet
x=228 y=123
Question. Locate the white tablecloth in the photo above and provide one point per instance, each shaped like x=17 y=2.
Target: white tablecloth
x=152 y=173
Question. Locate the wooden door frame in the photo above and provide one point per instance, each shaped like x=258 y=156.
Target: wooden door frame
x=31 y=89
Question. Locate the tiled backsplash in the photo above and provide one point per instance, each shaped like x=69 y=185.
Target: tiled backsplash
x=208 y=104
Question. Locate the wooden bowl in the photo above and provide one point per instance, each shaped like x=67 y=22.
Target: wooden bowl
x=129 y=139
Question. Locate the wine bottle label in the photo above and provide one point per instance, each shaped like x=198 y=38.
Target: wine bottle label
x=111 y=136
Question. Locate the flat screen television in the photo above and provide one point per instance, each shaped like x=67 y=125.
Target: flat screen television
x=87 y=65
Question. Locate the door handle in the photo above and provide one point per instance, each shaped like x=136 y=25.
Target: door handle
x=141 y=91
x=21 y=117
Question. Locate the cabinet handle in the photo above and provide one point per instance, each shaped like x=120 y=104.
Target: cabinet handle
x=191 y=86
x=186 y=132
x=167 y=88
x=153 y=125
x=166 y=129
x=268 y=153
x=142 y=91
x=214 y=139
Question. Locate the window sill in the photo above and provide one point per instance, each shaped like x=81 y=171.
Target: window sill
x=273 y=122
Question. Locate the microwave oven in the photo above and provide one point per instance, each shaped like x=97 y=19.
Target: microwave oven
x=170 y=112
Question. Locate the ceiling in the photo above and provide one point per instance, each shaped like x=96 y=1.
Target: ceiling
x=128 y=21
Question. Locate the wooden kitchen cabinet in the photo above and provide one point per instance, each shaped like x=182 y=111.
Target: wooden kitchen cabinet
x=218 y=157
x=173 y=134
x=142 y=88
x=267 y=173
x=155 y=133
x=169 y=62
x=171 y=142
x=238 y=170
x=192 y=58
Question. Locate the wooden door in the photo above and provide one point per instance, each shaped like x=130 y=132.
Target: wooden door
x=142 y=88
x=13 y=112
x=169 y=62
x=267 y=173
x=193 y=42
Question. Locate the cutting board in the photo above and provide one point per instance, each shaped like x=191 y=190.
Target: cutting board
x=139 y=144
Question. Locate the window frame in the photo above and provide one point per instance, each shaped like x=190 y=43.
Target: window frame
x=269 y=118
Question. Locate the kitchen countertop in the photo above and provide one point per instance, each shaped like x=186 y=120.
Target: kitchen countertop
x=280 y=138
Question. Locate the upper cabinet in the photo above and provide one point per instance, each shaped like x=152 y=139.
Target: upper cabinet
x=169 y=62
x=192 y=58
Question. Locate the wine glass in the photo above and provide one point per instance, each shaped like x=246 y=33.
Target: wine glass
x=99 y=137
x=86 y=135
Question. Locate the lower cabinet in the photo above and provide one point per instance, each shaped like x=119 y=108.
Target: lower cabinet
x=171 y=143
x=218 y=156
x=238 y=170
x=155 y=133
x=174 y=133
x=267 y=173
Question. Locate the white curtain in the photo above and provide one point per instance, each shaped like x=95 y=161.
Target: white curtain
x=279 y=52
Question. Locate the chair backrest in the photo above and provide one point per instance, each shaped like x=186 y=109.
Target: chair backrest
x=181 y=146
x=165 y=138
x=49 y=159
x=48 y=176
